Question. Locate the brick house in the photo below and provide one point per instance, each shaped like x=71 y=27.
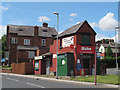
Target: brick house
x=76 y=48
x=23 y=42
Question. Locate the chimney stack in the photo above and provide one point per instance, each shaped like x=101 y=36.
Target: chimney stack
x=111 y=41
x=45 y=24
x=103 y=41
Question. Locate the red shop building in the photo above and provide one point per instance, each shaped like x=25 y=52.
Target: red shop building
x=77 y=44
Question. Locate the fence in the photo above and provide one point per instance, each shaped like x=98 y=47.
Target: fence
x=22 y=68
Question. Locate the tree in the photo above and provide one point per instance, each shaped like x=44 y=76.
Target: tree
x=4 y=45
x=109 y=52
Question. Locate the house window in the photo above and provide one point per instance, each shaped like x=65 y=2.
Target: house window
x=101 y=50
x=85 y=40
x=31 y=54
x=13 y=40
x=43 y=42
x=51 y=60
x=26 y=41
x=60 y=42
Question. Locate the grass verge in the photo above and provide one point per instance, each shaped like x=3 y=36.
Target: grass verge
x=107 y=79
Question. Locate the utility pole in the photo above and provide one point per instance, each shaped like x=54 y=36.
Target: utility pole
x=57 y=42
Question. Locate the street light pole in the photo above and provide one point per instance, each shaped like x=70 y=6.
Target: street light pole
x=57 y=43
x=117 y=27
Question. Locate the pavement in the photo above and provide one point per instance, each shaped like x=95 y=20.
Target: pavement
x=49 y=82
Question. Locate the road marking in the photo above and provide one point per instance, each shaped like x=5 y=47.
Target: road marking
x=35 y=85
x=13 y=79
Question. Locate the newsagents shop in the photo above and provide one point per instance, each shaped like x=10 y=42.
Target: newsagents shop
x=76 y=53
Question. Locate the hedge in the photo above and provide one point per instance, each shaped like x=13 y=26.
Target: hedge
x=110 y=62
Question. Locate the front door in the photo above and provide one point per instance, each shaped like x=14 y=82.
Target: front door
x=47 y=66
x=86 y=65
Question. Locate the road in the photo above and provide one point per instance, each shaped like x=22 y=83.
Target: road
x=23 y=82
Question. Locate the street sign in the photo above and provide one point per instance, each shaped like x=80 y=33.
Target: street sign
x=79 y=66
x=98 y=54
x=3 y=60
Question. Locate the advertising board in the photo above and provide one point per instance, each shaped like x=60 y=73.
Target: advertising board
x=66 y=42
x=85 y=49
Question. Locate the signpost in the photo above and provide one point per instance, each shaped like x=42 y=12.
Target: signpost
x=95 y=69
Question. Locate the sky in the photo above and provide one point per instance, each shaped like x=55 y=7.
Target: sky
x=102 y=16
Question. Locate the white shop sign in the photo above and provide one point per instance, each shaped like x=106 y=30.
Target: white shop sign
x=54 y=55
x=78 y=60
x=66 y=42
x=38 y=57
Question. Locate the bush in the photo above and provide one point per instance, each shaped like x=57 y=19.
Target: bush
x=110 y=62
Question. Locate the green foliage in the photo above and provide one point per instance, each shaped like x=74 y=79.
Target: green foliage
x=108 y=79
x=106 y=41
x=3 y=44
x=109 y=52
x=110 y=62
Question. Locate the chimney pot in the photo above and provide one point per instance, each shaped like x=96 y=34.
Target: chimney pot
x=45 y=24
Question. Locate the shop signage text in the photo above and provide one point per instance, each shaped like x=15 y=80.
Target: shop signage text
x=66 y=42
x=38 y=57
x=85 y=49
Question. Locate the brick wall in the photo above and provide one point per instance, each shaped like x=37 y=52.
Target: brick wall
x=34 y=41
x=77 y=40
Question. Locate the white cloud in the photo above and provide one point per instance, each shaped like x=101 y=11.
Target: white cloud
x=43 y=18
x=93 y=24
x=77 y=22
x=3 y=8
x=2 y=30
x=60 y=31
x=108 y=22
x=73 y=14
x=101 y=36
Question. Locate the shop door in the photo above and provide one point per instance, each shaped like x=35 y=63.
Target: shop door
x=62 y=66
x=86 y=66
x=47 y=67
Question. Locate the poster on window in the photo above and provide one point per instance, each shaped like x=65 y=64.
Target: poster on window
x=66 y=42
x=36 y=65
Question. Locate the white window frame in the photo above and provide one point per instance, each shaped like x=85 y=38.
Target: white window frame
x=43 y=42
x=14 y=40
x=26 y=41
x=31 y=54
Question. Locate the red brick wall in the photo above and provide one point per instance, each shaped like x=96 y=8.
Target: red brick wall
x=86 y=29
x=77 y=39
x=34 y=41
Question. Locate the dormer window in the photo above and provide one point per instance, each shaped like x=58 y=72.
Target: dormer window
x=20 y=29
x=44 y=30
